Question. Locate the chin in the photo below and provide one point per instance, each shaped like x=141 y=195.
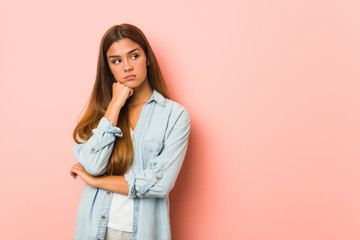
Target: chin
x=132 y=85
x=135 y=83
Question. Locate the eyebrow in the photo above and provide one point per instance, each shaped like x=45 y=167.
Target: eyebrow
x=114 y=56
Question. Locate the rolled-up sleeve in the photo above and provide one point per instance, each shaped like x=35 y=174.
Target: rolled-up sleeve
x=159 y=177
x=95 y=153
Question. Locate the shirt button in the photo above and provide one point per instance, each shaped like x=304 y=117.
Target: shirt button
x=157 y=177
x=108 y=193
x=92 y=149
x=103 y=217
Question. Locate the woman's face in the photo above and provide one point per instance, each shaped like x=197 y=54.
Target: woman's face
x=125 y=57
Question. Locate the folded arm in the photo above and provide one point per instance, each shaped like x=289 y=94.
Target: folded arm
x=159 y=178
x=95 y=153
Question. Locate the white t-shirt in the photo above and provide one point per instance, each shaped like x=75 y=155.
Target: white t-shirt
x=121 y=210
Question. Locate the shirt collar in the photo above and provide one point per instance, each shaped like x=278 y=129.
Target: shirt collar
x=158 y=97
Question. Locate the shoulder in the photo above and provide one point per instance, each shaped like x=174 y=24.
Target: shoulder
x=172 y=108
x=178 y=117
x=177 y=110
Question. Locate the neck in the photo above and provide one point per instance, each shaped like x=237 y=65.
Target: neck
x=141 y=94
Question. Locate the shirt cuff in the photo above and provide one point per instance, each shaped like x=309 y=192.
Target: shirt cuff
x=130 y=178
x=107 y=126
x=138 y=185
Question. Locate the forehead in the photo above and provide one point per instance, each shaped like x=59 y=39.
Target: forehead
x=122 y=47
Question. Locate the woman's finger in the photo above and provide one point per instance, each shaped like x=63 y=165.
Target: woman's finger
x=73 y=172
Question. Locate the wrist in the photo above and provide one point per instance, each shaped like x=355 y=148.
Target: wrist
x=94 y=181
x=116 y=104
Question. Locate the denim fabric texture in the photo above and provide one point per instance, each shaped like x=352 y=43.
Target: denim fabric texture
x=160 y=144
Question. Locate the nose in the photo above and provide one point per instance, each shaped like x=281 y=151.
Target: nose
x=128 y=66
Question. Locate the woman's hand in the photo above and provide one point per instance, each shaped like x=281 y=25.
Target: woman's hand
x=79 y=170
x=121 y=93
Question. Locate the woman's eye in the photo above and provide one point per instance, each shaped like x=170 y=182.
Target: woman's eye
x=117 y=61
x=134 y=56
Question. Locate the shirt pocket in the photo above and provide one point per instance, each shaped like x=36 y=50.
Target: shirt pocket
x=152 y=149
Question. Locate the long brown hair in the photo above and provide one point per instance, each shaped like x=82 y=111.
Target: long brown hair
x=101 y=95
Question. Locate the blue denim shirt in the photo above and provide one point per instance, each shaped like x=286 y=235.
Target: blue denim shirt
x=160 y=143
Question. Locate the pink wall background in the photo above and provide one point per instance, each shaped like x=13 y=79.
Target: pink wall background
x=272 y=88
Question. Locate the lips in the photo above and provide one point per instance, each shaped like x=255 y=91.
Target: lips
x=128 y=77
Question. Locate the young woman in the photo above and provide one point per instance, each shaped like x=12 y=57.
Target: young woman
x=130 y=144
